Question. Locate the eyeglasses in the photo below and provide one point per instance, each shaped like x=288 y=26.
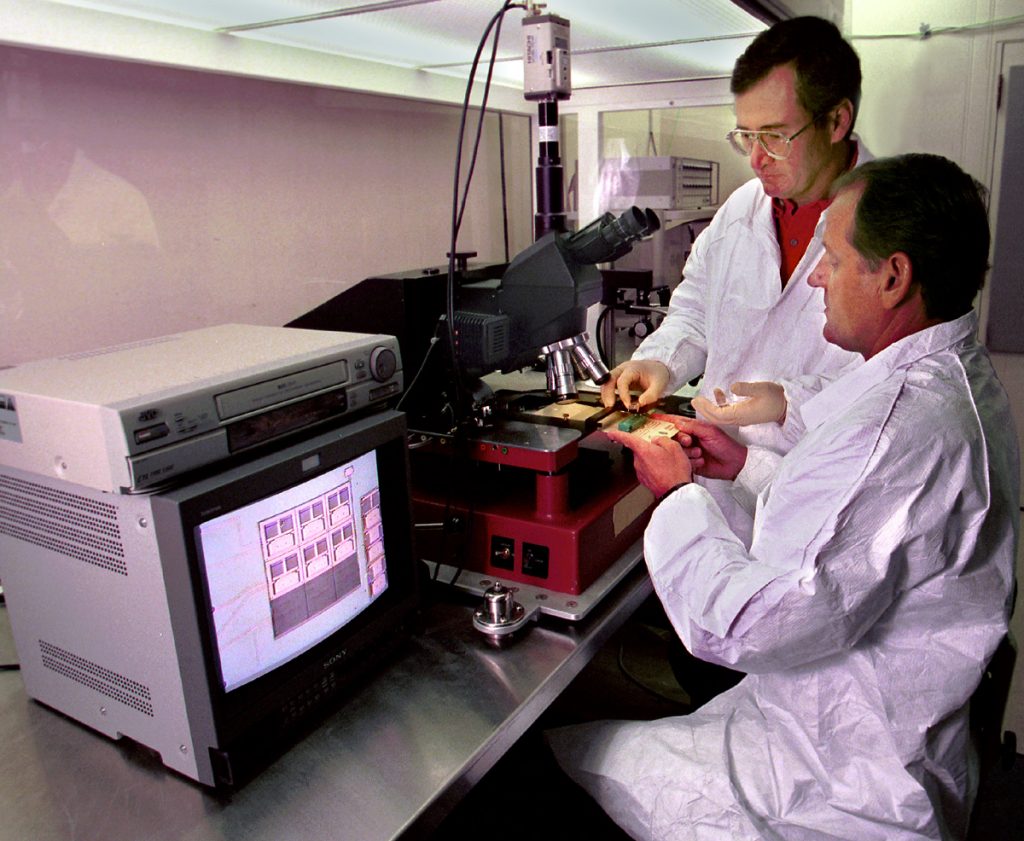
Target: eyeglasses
x=775 y=143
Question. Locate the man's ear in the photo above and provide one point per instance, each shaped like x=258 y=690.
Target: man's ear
x=899 y=280
x=840 y=120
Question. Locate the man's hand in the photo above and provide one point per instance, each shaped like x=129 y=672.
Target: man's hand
x=660 y=464
x=711 y=451
x=647 y=374
x=765 y=403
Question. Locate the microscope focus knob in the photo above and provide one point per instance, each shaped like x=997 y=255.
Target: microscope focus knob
x=383 y=363
x=642 y=329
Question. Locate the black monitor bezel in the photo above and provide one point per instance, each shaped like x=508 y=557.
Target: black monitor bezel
x=259 y=704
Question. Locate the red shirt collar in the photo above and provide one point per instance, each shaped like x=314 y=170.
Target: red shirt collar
x=795 y=224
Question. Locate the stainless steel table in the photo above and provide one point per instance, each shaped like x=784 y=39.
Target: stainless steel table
x=393 y=761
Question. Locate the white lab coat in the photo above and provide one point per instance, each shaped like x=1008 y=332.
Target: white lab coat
x=732 y=319
x=875 y=591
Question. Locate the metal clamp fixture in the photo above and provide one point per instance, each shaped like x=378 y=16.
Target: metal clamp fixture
x=500 y=615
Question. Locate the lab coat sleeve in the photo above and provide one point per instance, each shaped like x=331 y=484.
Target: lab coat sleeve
x=701 y=570
x=799 y=390
x=756 y=475
x=680 y=342
x=831 y=550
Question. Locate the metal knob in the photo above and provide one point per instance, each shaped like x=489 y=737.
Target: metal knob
x=500 y=614
x=499 y=604
x=383 y=363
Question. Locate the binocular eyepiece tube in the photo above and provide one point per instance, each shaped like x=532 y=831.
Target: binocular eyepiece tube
x=607 y=238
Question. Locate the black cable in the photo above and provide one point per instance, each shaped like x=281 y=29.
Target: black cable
x=457 y=206
x=423 y=365
x=599 y=331
x=458 y=209
x=472 y=485
x=504 y=190
x=480 y=121
x=634 y=679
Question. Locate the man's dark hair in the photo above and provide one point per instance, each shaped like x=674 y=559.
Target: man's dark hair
x=932 y=211
x=827 y=68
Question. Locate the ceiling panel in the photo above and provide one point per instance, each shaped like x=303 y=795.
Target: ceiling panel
x=613 y=42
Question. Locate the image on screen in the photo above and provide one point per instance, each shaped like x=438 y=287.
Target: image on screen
x=285 y=572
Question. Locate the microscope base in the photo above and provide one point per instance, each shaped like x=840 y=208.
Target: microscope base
x=559 y=532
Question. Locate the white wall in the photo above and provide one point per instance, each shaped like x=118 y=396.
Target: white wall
x=138 y=200
x=938 y=95
x=67 y=28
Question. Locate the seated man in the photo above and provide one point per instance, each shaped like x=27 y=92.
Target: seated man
x=879 y=579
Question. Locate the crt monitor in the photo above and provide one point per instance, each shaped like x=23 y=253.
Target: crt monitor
x=215 y=621
x=303 y=573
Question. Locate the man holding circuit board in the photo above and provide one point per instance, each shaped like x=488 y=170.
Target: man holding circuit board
x=744 y=313
x=880 y=578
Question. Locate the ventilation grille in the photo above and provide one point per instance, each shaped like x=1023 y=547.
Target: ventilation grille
x=71 y=525
x=483 y=338
x=118 y=687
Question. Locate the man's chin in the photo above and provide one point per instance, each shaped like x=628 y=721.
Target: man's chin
x=832 y=339
x=772 y=188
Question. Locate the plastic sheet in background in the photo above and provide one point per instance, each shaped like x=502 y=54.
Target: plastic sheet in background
x=682 y=191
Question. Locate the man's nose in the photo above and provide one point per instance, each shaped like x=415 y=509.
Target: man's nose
x=758 y=155
x=818 y=275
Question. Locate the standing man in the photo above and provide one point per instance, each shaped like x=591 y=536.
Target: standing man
x=880 y=577
x=743 y=311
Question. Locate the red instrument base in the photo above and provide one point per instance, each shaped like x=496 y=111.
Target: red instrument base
x=559 y=531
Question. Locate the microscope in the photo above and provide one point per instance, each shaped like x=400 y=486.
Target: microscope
x=538 y=307
x=510 y=484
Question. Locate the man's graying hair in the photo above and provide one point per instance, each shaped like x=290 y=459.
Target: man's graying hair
x=931 y=210
x=827 y=68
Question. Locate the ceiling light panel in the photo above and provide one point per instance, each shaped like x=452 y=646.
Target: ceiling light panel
x=610 y=38
x=210 y=14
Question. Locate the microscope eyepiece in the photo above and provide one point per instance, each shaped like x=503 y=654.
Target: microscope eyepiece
x=607 y=238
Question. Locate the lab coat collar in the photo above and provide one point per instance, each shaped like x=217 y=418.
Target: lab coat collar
x=847 y=390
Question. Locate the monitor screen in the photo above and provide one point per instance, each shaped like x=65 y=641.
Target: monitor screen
x=291 y=574
x=288 y=570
